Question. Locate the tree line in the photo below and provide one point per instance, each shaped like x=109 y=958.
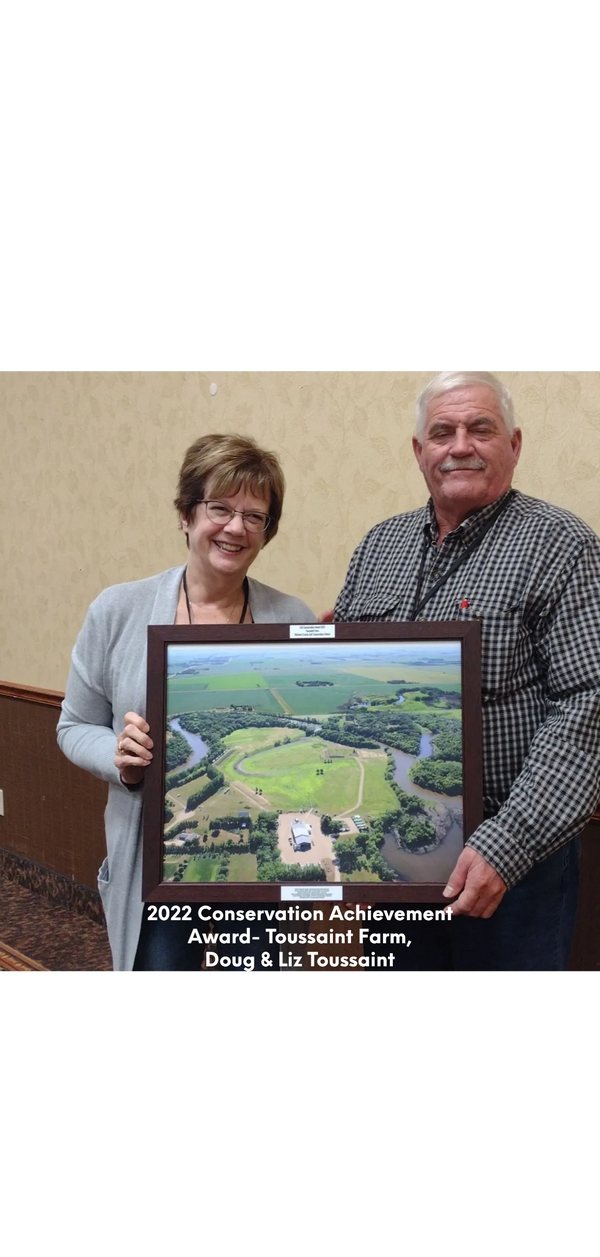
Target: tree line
x=215 y=781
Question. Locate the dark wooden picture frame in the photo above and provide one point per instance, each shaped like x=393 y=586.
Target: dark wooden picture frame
x=362 y=640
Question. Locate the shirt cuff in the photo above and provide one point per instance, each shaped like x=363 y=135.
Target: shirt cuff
x=500 y=849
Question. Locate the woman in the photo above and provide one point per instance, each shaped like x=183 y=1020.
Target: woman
x=229 y=501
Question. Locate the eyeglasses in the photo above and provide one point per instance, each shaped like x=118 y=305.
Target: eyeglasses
x=219 y=513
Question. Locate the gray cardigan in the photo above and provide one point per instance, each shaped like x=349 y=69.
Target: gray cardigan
x=108 y=679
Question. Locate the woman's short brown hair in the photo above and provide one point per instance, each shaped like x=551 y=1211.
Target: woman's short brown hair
x=230 y=463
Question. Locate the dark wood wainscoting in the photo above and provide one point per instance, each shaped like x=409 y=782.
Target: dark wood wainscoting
x=53 y=811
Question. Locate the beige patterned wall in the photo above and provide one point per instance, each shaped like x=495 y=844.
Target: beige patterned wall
x=88 y=465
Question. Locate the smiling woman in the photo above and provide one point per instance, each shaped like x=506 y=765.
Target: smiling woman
x=229 y=502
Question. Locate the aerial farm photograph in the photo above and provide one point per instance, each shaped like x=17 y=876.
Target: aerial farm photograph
x=328 y=762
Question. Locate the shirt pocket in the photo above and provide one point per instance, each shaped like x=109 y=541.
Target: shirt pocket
x=506 y=643
x=390 y=607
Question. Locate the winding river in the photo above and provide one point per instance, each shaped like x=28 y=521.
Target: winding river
x=198 y=747
x=427 y=866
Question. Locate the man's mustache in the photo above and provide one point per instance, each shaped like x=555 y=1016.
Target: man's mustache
x=463 y=464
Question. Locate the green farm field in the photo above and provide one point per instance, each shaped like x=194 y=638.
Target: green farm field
x=247 y=740
x=242 y=868
x=288 y=775
x=226 y=802
x=238 y=681
x=315 y=700
x=378 y=796
x=360 y=875
x=411 y=705
x=201 y=868
x=260 y=698
x=170 y=867
x=276 y=695
x=273 y=692
x=277 y=759
x=220 y=681
x=181 y=794
x=447 y=678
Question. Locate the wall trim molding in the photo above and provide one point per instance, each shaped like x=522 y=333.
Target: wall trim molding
x=31 y=694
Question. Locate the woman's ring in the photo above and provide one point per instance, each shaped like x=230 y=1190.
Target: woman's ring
x=120 y=748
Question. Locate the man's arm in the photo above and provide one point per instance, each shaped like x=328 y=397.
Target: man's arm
x=558 y=787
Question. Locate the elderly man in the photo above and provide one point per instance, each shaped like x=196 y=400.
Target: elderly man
x=530 y=572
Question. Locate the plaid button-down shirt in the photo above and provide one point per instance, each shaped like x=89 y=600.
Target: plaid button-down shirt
x=534 y=582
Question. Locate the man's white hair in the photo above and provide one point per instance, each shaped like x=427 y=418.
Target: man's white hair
x=448 y=380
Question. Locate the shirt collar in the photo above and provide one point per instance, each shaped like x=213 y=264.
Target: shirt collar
x=470 y=526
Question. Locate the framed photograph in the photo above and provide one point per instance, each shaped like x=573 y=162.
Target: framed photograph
x=311 y=761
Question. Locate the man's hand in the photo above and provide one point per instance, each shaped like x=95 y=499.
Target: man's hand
x=326 y=617
x=478 y=886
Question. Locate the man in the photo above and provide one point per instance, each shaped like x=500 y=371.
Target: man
x=531 y=573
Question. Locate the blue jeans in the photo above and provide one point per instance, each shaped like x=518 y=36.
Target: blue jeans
x=164 y=944
x=532 y=928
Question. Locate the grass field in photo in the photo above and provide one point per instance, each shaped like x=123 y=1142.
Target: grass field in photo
x=238 y=681
x=412 y=704
x=242 y=868
x=201 y=869
x=181 y=794
x=378 y=796
x=446 y=677
x=248 y=740
x=170 y=866
x=260 y=699
x=289 y=779
x=227 y=802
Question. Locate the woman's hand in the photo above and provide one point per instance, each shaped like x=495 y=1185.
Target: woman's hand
x=134 y=749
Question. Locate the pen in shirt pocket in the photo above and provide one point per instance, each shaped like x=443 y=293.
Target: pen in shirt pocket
x=467 y=611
